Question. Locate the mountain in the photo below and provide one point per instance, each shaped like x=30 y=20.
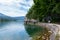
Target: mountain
x=4 y=17
x=21 y=18
x=18 y=18
x=8 y=18
x=43 y=11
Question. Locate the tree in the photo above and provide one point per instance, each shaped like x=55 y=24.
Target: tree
x=43 y=9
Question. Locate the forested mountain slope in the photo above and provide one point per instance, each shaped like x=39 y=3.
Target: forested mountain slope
x=45 y=10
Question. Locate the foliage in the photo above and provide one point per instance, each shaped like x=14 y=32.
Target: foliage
x=43 y=9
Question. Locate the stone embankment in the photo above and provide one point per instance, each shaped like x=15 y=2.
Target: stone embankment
x=54 y=28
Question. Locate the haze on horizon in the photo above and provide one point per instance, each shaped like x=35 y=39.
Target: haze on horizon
x=15 y=8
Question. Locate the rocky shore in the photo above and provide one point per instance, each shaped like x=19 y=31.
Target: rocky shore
x=54 y=28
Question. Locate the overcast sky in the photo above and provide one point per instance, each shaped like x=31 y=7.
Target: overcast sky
x=15 y=8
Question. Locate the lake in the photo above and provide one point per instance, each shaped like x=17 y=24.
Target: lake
x=13 y=31
x=16 y=30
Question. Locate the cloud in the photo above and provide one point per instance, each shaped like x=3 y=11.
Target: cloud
x=15 y=7
x=23 y=4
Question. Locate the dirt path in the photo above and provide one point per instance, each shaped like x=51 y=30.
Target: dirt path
x=55 y=28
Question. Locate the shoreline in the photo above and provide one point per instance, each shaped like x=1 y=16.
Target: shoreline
x=55 y=28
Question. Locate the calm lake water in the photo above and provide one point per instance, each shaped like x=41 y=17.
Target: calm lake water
x=13 y=31
x=17 y=31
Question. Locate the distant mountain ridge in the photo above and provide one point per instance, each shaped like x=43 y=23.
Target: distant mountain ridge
x=4 y=17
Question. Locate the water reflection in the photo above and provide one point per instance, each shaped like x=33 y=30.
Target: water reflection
x=13 y=31
x=37 y=32
x=18 y=31
x=32 y=29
